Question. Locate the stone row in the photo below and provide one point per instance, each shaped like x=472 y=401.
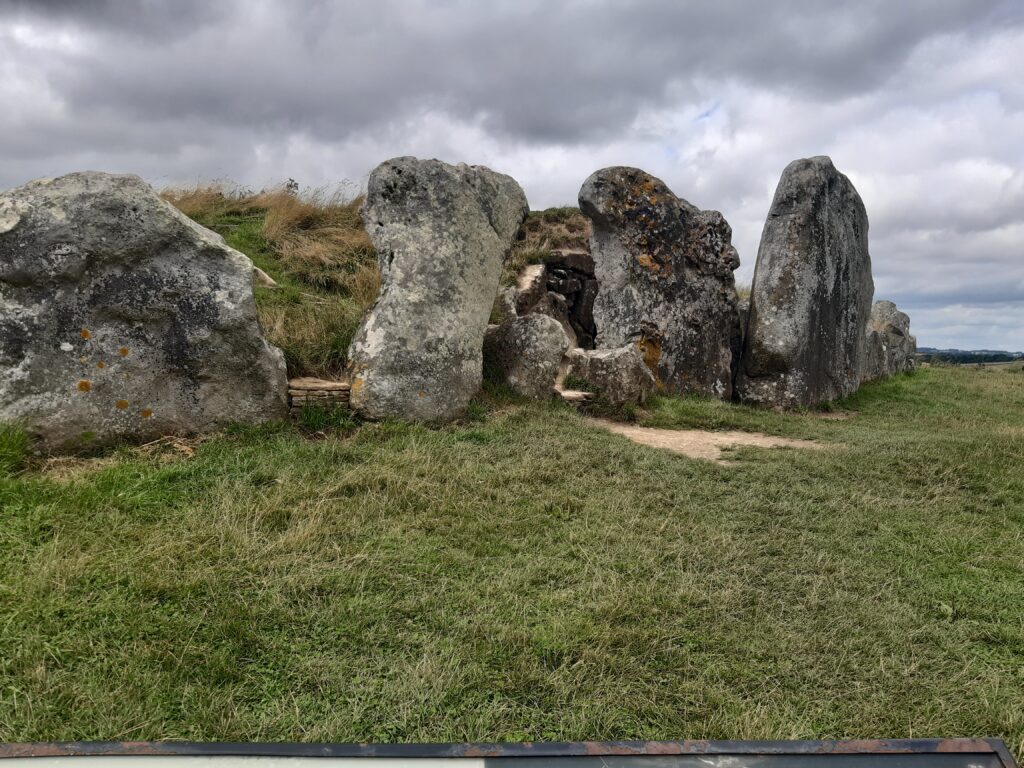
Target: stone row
x=652 y=306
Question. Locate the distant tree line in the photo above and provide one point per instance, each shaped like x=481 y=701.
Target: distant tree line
x=966 y=357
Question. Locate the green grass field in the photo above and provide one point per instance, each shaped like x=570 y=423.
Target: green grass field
x=523 y=575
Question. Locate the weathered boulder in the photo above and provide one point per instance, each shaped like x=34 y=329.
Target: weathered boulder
x=889 y=346
x=619 y=375
x=441 y=234
x=526 y=353
x=122 y=318
x=812 y=291
x=665 y=274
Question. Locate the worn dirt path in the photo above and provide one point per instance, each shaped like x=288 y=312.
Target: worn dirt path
x=699 y=443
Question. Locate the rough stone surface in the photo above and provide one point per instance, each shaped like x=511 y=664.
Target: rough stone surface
x=811 y=294
x=526 y=353
x=620 y=375
x=441 y=234
x=555 y=306
x=122 y=318
x=665 y=273
x=531 y=285
x=890 y=348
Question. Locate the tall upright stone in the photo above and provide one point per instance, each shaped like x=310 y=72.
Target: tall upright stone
x=889 y=346
x=812 y=292
x=441 y=234
x=665 y=279
x=122 y=318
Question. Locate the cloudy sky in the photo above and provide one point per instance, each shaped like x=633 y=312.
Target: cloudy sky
x=920 y=102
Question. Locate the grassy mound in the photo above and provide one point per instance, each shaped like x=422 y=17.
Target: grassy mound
x=543 y=232
x=314 y=246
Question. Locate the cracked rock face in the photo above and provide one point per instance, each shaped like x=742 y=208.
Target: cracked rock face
x=890 y=348
x=665 y=275
x=812 y=292
x=526 y=353
x=122 y=318
x=441 y=234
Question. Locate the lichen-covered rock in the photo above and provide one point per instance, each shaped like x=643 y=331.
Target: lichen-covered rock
x=526 y=353
x=619 y=375
x=665 y=274
x=122 y=318
x=441 y=234
x=812 y=291
x=889 y=346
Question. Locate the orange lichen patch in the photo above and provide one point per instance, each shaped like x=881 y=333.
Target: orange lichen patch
x=101 y=365
x=121 y=404
x=654 y=199
x=146 y=413
x=123 y=351
x=650 y=348
x=84 y=385
x=85 y=334
x=647 y=261
x=357 y=384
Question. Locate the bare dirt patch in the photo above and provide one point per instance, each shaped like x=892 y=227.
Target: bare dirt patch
x=699 y=443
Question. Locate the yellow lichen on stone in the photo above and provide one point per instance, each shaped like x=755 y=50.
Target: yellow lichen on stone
x=84 y=385
x=123 y=351
x=650 y=348
x=121 y=404
x=85 y=334
x=145 y=413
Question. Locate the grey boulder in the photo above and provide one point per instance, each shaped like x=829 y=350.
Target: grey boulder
x=441 y=233
x=526 y=353
x=811 y=294
x=122 y=318
x=618 y=375
x=889 y=346
x=665 y=279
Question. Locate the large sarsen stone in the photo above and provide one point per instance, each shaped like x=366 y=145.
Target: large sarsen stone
x=441 y=234
x=665 y=279
x=122 y=318
x=811 y=294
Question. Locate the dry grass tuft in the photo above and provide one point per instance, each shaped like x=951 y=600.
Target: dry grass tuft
x=204 y=201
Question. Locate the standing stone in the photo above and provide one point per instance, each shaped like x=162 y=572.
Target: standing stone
x=890 y=349
x=812 y=291
x=526 y=353
x=441 y=234
x=665 y=274
x=122 y=318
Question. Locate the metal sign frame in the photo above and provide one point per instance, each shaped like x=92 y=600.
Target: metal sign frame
x=984 y=747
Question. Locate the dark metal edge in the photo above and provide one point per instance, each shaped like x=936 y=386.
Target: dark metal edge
x=524 y=749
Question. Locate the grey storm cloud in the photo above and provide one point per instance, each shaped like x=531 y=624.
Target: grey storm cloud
x=920 y=102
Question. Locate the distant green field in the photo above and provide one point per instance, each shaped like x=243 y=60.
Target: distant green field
x=523 y=575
